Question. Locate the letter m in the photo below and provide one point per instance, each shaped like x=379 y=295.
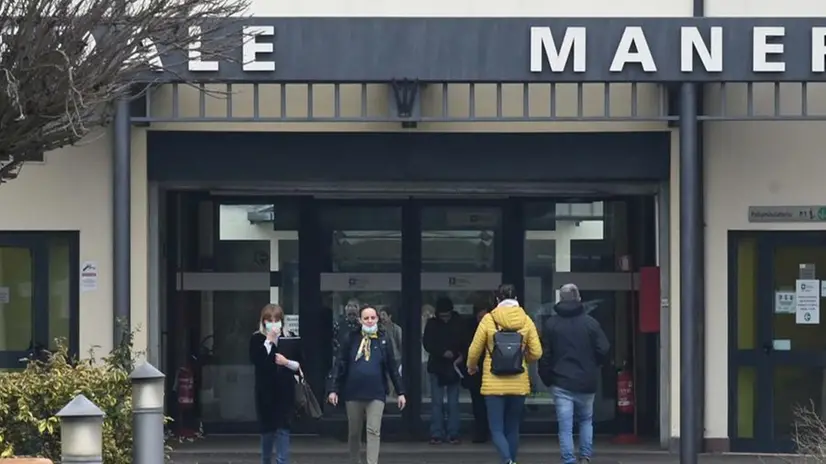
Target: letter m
x=543 y=46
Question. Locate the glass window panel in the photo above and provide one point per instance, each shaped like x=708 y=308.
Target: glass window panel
x=460 y=261
x=746 y=401
x=795 y=387
x=60 y=303
x=253 y=240
x=747 y=293
x=787 y=262
x=16 y=302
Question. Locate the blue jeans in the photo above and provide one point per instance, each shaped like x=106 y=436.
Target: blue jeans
x=437 y=413
x=570 y=406
x=281 y=440
x=504 y=419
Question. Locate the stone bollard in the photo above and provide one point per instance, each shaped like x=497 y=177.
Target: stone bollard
x=81 y=432
x=147 y=415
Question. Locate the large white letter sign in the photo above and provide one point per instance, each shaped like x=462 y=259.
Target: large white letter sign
x=762 y=49
x=195 y=63
x=543 y=45
x=691 y=42
x=252 y=48
x=633 y=36
x=818 y=49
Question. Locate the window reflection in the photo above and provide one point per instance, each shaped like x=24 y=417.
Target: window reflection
x=563 y=237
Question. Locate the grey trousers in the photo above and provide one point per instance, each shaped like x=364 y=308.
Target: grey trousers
x=359 y=413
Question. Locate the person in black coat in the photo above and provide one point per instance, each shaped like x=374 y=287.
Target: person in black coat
x=274 y=386
x=443 y=341
x=364 y=363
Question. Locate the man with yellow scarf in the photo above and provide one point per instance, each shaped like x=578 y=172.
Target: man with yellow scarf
x=363 y=364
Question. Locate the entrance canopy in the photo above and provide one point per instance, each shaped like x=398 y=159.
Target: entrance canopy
x=632 y=67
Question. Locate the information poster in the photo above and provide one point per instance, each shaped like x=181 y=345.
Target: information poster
x=807 y=301
x=784 y=302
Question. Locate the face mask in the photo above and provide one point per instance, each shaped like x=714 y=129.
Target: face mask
x=270 y=326
x=369 y=330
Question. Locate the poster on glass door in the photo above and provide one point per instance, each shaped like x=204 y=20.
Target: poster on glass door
x=807 y=301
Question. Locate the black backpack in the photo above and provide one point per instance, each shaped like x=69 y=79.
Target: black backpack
x=508 y=356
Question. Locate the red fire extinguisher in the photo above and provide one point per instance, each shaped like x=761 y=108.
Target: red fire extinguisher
x=625 y=391
x=185 y=381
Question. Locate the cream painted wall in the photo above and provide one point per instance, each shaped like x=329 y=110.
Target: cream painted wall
x=72 y=190
x=752 y=163
x=765 y=8
x=471 y=8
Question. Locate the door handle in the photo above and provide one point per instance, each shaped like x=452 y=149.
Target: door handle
x=768 y=347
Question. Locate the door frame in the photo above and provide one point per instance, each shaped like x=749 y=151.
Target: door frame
x=762 y=359
x=37 y=242
x=414 y=421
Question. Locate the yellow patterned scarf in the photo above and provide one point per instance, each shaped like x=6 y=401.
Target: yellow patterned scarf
x=364 y=347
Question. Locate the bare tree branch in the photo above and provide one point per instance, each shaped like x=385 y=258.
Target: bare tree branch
x=64 y=62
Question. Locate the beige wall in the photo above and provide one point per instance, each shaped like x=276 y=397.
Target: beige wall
x=72 y=190
x=746 y=163
x=474 y=8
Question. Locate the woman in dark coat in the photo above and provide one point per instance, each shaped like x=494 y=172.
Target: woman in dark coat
x=364 y=363
x=274 y=386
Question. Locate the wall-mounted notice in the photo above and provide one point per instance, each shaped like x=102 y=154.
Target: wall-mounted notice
x=89 y=276
x=784 y=302
x=807 y=301
x=5 y=295
x=291 y=324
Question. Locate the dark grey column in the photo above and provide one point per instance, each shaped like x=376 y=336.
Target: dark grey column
x=690 y=181
x=122 y=211
x=700 y=381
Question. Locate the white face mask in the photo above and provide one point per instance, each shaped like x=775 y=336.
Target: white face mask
x=369 y=330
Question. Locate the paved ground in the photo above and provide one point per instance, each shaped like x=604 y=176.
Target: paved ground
x=535 y=450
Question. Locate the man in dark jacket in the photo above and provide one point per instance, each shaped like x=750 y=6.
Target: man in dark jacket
x=443 y=342
x=574 y=347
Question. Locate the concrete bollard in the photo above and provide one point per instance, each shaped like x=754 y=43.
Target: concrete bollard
x=81 y=432
x=147 y=415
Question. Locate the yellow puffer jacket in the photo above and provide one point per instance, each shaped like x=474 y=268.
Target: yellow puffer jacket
x=508 y=315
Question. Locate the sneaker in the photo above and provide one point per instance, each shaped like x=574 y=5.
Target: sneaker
x=435 y=441
x=584 y=460
x=454 y=441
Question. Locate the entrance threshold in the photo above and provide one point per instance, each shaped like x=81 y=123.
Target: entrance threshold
x=242 y=446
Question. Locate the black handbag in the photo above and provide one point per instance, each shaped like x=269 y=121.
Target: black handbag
x=306 y=404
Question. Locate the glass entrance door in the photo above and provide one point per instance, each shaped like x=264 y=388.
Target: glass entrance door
x=778 y=363
x=362 y=264
x=460 y=261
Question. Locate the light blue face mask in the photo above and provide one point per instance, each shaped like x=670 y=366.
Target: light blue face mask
x=270 y=326
x=369 y=330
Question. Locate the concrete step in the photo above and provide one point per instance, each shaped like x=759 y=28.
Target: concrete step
x=488 y=457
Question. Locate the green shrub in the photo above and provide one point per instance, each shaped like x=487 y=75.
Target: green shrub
x=29 y=400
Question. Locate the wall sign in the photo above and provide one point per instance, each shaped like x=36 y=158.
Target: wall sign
x=89 y=276
x=814 y=213
x=502 y=50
